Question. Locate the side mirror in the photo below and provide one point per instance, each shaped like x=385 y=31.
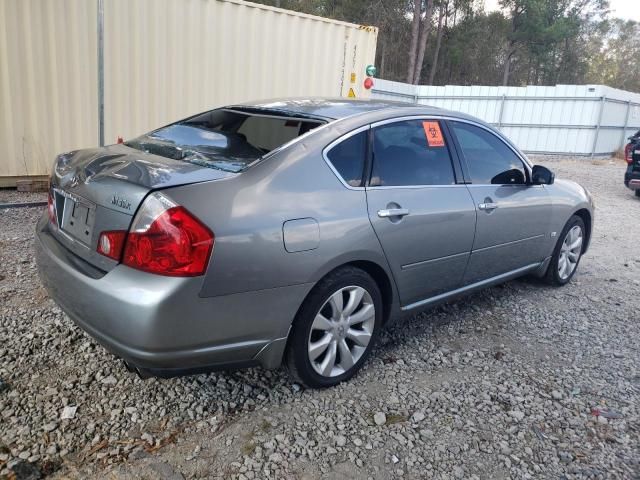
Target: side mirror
x=542 y=175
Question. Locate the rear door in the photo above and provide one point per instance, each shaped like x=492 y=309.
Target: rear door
x=513 y=215
x=423 y=217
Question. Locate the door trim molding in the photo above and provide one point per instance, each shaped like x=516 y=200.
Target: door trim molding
x=474 y=286
x=433 y=260
x=505 y=244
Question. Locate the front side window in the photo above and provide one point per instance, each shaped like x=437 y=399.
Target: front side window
x=347 y=157
x=489 y=159
x=411 y=152
x=224 y=139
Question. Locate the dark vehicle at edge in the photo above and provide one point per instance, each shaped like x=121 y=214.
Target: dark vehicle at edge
x=632 y=157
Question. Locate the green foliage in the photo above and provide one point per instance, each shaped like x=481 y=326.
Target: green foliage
x=615 y=57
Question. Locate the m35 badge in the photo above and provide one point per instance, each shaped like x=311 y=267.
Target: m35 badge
x=120 y=202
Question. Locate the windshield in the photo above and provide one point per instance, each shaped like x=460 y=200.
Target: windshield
x=225 y=139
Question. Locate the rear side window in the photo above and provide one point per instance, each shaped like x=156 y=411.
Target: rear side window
x=489 y=159
x=411 y=152
x=347 y=157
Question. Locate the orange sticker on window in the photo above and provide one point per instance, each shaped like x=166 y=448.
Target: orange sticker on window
x=433 y=133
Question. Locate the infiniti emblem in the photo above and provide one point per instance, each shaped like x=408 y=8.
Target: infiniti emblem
x=73 y=182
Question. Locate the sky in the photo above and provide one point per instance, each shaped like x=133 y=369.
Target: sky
x=626 y=9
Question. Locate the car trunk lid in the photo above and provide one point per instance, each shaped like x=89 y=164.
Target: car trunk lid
x=100 y=190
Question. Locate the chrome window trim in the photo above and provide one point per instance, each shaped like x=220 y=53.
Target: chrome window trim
x=528 y=185
x=458 y=185
x=413 y=187
x=327 y=149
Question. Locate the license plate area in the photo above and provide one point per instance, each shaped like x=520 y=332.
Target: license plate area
x=77 y=217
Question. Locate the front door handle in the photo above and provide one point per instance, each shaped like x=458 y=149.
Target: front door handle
x=393 y=212
x=487 y=206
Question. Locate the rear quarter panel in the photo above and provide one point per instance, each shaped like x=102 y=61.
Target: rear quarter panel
x=246 y=214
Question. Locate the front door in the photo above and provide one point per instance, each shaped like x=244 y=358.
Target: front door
x=513 y=215
x=425 y=221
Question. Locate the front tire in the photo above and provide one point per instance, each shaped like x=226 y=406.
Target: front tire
x=335 y=329
x=567 y=254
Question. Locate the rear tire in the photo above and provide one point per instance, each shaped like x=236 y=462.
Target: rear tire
x=637 y=193
x=567 y=253
x=335 y=329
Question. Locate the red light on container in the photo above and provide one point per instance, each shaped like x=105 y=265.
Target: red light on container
x=368 y=83
x=110 y=244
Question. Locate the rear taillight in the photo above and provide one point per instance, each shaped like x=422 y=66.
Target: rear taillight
x=627 y=153
x=51 y=209
x=167 y=239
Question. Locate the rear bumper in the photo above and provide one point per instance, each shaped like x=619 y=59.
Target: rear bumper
x=632 y=178
x=161 y=324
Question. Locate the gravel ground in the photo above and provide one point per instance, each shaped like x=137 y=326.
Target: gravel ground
x=518 y=381
x=8 y=195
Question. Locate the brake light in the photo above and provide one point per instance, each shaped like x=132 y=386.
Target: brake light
x=51 y=208
x=627 y=153
x=167 y=239
x=110 y=244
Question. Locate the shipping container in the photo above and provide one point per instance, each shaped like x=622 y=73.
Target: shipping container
x=78 y=72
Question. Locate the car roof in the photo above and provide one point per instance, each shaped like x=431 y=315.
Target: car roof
x=328 y=108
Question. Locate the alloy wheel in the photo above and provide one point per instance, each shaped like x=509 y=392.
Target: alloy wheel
x=570 y=252
x=341 y=331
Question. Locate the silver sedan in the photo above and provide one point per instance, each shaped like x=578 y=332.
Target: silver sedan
x=291 y=231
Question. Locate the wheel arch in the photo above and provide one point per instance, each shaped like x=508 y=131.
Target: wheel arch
x=586 y=217
x=380 y=275
x=383 y=281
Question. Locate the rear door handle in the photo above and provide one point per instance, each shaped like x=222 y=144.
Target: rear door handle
x=487 y=206
x=393 y=212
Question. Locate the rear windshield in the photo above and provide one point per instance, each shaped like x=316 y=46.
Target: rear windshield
x=225 y=139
